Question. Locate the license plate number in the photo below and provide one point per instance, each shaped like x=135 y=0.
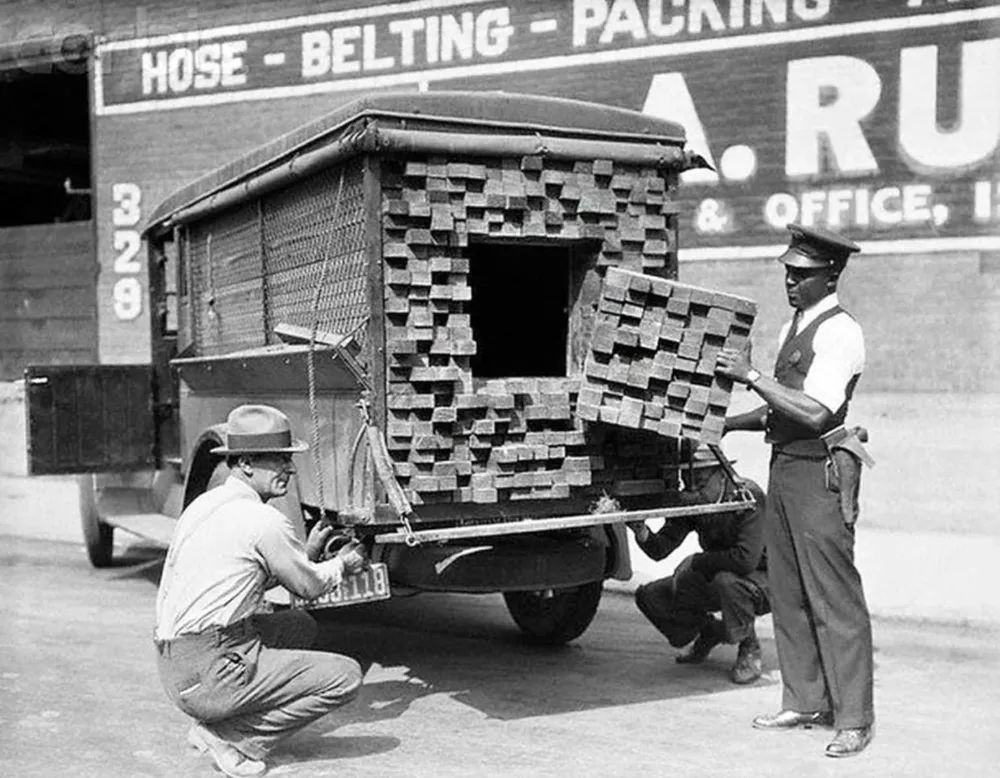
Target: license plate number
x=368 y=585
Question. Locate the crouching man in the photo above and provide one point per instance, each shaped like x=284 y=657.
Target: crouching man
x=729 y=575
x=244 y=676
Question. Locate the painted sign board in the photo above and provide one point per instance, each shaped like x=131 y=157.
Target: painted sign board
x=880 y=119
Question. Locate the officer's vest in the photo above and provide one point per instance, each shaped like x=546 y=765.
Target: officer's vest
x=790 y=369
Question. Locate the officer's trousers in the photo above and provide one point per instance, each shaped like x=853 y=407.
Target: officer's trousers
x=821 y=623
x=254 y=683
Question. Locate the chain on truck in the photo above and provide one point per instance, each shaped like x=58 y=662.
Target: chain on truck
x=466 y=302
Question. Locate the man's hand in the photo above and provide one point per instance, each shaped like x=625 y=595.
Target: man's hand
x=639 y=528
x=316 y=541
x=734 y=364
x=353 y=556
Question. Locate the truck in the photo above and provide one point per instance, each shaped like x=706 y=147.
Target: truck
x=417 y=280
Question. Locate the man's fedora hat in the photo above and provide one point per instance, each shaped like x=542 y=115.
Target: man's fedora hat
x=259 y=429
x=815 y=248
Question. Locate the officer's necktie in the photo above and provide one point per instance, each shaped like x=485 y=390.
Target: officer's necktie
x=793 y=328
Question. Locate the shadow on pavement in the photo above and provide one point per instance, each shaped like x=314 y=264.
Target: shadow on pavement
x=467 y=648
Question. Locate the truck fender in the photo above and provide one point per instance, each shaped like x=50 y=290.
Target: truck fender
x=619 y=558
x=203 y=463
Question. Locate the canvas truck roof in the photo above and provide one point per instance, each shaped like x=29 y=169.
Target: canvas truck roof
x=431 y=122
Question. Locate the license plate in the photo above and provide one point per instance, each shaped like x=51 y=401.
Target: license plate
x=368 y=585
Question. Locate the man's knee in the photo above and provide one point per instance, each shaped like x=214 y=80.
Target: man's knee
x=345 y=677
x=655 y=596
x=287 y=629
x=726 y=584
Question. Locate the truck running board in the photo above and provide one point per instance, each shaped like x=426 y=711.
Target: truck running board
x=525 y=526
x=131 y=510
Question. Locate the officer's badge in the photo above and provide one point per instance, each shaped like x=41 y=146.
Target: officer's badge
x=795 y=357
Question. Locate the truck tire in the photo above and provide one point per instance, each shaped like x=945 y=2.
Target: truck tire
x=98 y=537
x=555 y=616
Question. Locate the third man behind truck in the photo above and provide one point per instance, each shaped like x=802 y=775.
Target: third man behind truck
x=821 y=622
x=728 y=575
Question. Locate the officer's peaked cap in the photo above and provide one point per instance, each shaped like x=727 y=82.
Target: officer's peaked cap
x=815 y=247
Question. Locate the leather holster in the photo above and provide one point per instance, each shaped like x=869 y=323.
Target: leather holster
x=845 y=455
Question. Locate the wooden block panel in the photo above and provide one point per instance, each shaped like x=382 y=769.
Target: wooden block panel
x=455 y=440
x=659 y=375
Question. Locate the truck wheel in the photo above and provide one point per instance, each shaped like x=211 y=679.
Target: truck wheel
x=98 y=537
x=555 y=616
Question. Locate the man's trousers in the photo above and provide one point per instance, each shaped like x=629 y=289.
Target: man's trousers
x=681 y=605
x=821 y=624
x=253 y=682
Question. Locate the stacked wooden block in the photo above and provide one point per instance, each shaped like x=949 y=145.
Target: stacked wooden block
x=652 y=356
x=454 y=439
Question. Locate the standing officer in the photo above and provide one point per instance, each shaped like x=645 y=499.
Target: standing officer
x=821 y=622
x=247 y=678
x=729 y=575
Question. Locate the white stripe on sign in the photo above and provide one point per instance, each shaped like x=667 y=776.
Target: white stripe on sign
x=868 y=248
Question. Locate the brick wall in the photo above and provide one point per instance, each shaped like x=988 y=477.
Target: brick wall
x=931 y=322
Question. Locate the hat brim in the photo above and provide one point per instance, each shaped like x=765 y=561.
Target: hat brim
x=297 y=447
x=793 y=258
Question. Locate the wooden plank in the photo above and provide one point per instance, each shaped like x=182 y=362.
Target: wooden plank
x=376 y=287
x=44 y=334
x=77 y=302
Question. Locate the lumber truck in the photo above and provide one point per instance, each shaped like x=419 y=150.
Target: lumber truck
x=467 y=305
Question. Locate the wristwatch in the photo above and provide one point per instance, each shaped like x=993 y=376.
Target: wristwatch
x=752 y=375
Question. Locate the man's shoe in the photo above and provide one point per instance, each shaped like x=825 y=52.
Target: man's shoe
x=850 y=742
x=749 y=664
x=227 y=758
x=790 y=719
x=710 y=636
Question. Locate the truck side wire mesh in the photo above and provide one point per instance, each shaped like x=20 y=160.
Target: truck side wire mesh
x=227 y=282
x=259 y=264
x=299 y=229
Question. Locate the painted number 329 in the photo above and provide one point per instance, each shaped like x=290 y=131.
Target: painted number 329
x=125 y=216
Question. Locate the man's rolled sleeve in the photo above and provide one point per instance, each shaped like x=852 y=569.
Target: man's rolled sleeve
x=839 y=355
x=285 y=557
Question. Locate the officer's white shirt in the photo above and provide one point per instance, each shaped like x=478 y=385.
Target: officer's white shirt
x=226 y=547
x=839 y=347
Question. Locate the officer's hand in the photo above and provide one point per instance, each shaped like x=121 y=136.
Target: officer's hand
x=353 y=556
x=316 y=541
x=734 y=364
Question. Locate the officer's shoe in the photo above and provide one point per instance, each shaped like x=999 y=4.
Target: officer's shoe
x=790 y=719
x=850 y=742
x=749 y=662
x=227 y=758
x=710 y=636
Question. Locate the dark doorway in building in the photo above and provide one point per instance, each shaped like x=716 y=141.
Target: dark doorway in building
x=44 y=141
x=519 y=309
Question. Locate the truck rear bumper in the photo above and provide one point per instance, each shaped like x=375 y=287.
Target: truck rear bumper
x=503 y=565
